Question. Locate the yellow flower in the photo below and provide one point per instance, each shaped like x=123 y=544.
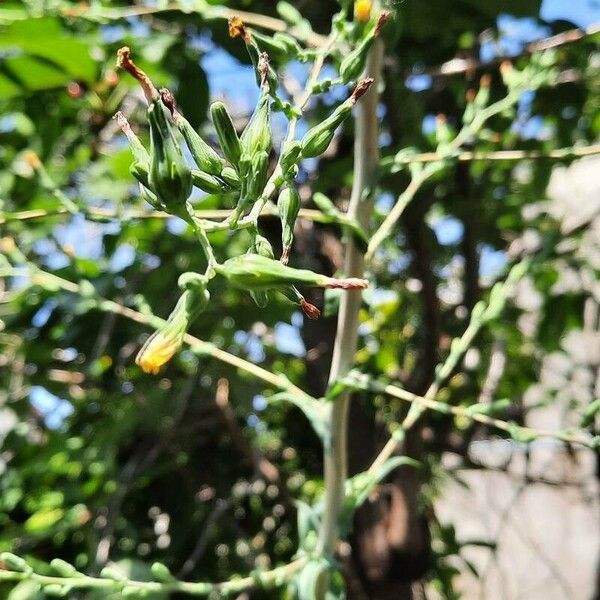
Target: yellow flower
x=158 y=350
x=362 y=10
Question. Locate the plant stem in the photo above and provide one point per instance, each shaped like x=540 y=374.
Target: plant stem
x=366 y=159
x=274 y=577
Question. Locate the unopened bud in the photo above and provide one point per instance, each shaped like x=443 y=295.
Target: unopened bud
x=251 y=271
x=262 y=246
x=253 y=173
x=228 y=137
x=230 y=177
x=353 y=65
x=208 y=183
x=257 y=135
x=289 y=157
x=141 y=158
x=204 y=156
x=170 y=176
x=317 y=139
x=310 y=310
x=288 y=206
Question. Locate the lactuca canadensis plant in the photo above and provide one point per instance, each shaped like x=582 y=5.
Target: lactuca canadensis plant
x=244 y=171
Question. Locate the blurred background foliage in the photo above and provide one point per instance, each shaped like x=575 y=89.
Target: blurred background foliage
x=101 y=463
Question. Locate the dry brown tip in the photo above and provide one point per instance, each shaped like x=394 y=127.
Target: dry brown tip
x=351 y=283
x=361 y=89
x=124 y=62
x=440 y=119
x=123 y=124
x=486 y=80
x=168 y=100
x=470 y=95
x=263 y=69
x=310 y=310
x=285 y=255
x=237 y=29
x=505 y=67
x=384 y=17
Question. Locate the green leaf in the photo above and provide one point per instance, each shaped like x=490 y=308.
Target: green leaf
x=45 y=39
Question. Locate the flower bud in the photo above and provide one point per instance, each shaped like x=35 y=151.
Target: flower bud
x=228 y=137
x=254 y=272
x=288 y=206
x=161 y=346
x=317 y=139
x=230 y=177
x=257 y=135
x=170 y=176
x=289 y=157
x=204 y=156
x=141 y=159
x=208 y=183
x=253 y=173
x=292 y=294
x=262 y=247
x=354 y=63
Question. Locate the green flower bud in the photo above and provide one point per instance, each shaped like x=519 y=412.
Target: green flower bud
x=161 y=572
x=204 y=156
x=15 y=563
x=230 y=177
x=141 y=158
x=281 y=46
x=288 y=206
x=166 y=341
x=170 y=177
x=262 y=246
x=317 y=139
x=258 y=175
x=289 y=157
x=353 y=65
x=254 y=178
x=228 y=137
x=208 y=183
x=254 y=272
x=257 y=135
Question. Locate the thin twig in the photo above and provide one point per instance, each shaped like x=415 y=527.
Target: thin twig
x=45 y=279
x=464 y=412
x=457 y=66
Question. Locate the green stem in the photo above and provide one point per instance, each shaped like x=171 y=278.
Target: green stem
x=274 y=577
x=366 y=157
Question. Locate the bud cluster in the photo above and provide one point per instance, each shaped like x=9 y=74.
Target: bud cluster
x=242 y=170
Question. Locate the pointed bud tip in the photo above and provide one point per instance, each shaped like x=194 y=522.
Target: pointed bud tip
x=310 y=310
x=361 y=89
x=384 y=17
x=168 y=100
